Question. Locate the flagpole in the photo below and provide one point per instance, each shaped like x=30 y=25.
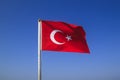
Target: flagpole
x=39 y=48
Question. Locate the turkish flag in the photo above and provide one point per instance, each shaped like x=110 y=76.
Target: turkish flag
x=61 y=36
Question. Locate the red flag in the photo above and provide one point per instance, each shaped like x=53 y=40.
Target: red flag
x=61 y=36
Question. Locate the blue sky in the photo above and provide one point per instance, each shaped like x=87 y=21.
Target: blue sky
x=18 y=39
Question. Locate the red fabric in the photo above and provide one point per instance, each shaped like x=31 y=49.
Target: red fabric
x=58 y=32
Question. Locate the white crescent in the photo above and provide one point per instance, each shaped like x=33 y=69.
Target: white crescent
x=53 y=38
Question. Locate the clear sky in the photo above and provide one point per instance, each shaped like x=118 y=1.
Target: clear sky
x=18 y=39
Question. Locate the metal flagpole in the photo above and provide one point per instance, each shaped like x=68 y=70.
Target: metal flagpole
x=39 y=48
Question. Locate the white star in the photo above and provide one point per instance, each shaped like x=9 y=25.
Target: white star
x=68 y=38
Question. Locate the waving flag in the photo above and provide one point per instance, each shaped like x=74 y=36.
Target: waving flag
x=61 y=36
